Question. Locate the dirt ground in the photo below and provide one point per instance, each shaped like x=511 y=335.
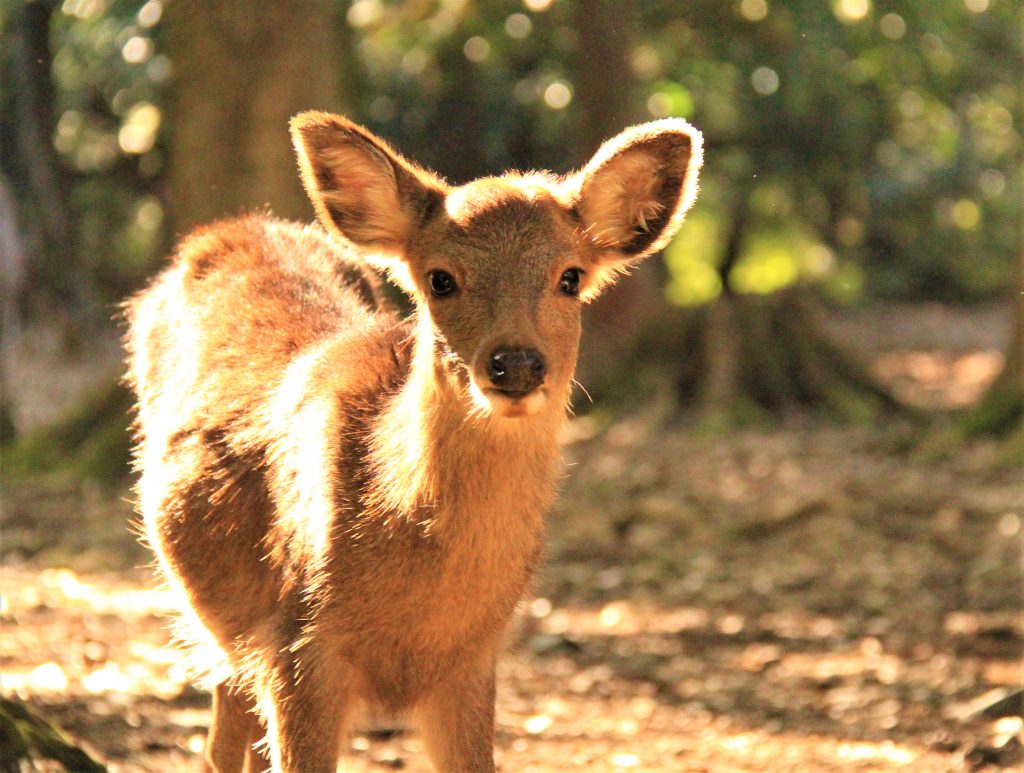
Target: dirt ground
x=804 y=597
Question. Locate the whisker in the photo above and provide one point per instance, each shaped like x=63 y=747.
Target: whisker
x=584 y=390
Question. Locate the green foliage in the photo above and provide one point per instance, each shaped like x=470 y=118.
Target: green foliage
x=881 y=140
x=107 y=80
x=771 y=260
x=110 y=79
x=692 y=259
x=469 y=89
x=888 y=135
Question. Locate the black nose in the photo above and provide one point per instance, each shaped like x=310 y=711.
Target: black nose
x=516 y=371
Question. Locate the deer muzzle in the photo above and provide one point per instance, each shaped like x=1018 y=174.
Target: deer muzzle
x=516 y=372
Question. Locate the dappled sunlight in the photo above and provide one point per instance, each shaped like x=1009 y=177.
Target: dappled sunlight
x=708 y=604
x=771 y=258
x=945 y=380
x=104 y=635
x=692 y=258
x=625 y=685
x=770 y=262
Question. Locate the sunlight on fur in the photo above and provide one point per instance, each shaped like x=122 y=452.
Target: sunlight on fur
x=351 y=503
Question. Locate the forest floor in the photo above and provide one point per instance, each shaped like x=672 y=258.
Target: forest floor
x=795 y=597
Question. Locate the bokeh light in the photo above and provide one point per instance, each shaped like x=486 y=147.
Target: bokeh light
x=518 y=26
x=754 y=10
x=965 y=214
x=892 y=26
x=137 y=50
x=476 y=49
x=765 y=80
x=364 y=13
x=138 y=134
x=150 y=14
x=851 y=11
x=558 y=95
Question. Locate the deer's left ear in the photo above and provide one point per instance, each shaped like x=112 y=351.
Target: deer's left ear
x=631 y=197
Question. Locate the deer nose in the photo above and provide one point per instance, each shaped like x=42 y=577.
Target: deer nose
x=516 y=371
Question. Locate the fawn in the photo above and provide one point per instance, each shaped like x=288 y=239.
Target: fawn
x=349 y=503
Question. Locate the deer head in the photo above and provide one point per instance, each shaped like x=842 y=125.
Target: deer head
x=498 y=268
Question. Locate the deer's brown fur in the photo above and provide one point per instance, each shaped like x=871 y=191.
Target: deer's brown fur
x=349 y=507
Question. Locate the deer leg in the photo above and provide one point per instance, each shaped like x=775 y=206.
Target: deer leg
x=235 y=729
x=457 y=721
x=306 y=719
x=257 y=757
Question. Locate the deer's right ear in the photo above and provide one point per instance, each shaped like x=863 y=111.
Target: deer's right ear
x=361 y=187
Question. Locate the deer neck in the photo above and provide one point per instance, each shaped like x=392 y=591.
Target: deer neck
x=435 y=459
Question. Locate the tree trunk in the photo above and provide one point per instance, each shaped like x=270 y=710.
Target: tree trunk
x=453 y=142
x=13 y=273
x=604 y=84
x=56 y=277
x=606 y=94
x=770 y=354
x=242 y=69
x=744 y=355
x=1001 y=410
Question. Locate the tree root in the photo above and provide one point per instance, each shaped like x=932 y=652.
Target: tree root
x=24 y=735
x=773 y=355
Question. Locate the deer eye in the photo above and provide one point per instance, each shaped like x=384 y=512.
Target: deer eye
x=570 y=281
x=441 y=283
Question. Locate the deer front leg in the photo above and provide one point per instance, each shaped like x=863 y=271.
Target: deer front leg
x=257 y=758
x=308 y=711
x=457 y=720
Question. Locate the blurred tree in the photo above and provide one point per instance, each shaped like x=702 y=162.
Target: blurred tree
x=1008 y=389
x=12 y=279
x=838 y=154
x=604 y=83
x=242 y=69
x=80 y=151
x=1001 y=410
x=819 y=174
x=888 y=138
x=53 y=269
x=608 y=101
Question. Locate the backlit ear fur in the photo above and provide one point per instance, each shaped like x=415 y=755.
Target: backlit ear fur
x=362 y=188
x=633 y=194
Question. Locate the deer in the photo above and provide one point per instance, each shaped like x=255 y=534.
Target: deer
x=349 y=502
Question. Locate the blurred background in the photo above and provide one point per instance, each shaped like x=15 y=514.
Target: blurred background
x=801 y=430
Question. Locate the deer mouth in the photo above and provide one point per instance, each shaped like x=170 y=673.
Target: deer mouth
x=516 y=403
x=511 y=403
x=512 y=394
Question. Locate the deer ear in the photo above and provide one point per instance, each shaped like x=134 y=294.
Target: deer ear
x=362 y=188
x=633 y=194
